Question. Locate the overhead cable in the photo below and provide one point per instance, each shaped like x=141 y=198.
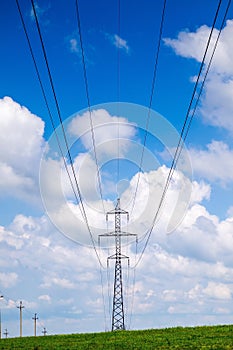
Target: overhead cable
x=150 y=101
x=83 y=212
x=118 y=90
x=63 y=130
x=88 y=102
x=46 y=100
x=185 y=130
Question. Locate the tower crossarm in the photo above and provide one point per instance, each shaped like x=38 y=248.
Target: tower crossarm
x=119 y=256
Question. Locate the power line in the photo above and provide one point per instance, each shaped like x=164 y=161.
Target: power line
x=118 y=91
x=56 y=101
x=133 y=288
x=181 y=141
x=83 y=212
x=204 y=80
x=88 y=102
x=150 y=101
x=63 y=130
x=7 y=300
x=92 y=133
x=46 y=101
x=184 y=129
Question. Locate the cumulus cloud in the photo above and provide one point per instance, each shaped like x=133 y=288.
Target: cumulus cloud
x=106 y=128
x=217 y=103
x=192 y=45
x=8 y=280
x=10 y=238
x=21 y=143
x=219 y=157
x=44 y=260
x=217 y=291
x=187 y=270
x=67 y=214
x=85 y=167
x=59 y=282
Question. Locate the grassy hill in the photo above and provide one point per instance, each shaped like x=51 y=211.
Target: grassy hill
x=198 y=338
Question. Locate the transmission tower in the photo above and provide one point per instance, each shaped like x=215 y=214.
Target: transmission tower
x=118 y=319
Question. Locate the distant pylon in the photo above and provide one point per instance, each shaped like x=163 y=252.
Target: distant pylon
x=44 y=331
x=118 y=317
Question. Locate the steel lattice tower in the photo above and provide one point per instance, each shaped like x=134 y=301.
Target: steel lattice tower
x=118 y=319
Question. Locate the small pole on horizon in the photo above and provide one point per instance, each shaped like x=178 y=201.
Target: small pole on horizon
x=1 y=297
x=44 y=331
x=20 y=307
x=6 y=333
x=35 y=318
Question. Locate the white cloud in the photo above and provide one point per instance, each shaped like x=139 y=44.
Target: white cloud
x=198 y=251
x=222 y=310
x=192 y=45
x=10 y=238
x=74 y=47
x=85 y=167
x=200 y=191
x=40 y=12
x=8 y=280
x=60 y=282
x=195 y=293
x=67 y=216
x=214 y=163
x=193 y=255
x=120 y=43
x=170 y=295
x=11 y=304
x=217 y=102
x=217 y=291
x=21 y=143
x=176 y=277
x=217 y=105
x=45 y=297
x=107 y=129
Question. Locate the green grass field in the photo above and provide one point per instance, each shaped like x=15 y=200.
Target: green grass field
x=198 y=338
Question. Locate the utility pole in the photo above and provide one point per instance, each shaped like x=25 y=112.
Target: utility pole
x=20 y=307
x=6 y=333
x=1 y=297
x=118 y=319
x=44 y=331
x=35 y=318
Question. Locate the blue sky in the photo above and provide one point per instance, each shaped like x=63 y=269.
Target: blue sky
x=185 y=277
